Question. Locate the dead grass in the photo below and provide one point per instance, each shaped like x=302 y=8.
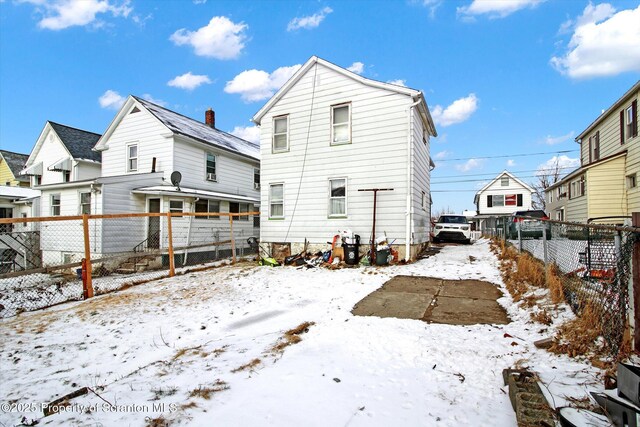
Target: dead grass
x=247 y=366
x=205 y=392
x=292 y=336
x=542 y=316
x=157 y=422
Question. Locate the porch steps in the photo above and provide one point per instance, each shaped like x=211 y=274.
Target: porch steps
x=134 y=265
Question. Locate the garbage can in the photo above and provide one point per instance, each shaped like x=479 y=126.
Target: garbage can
x=351 y=253
x=382 y=257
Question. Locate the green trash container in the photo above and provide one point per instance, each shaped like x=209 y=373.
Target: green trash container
x=382 y=257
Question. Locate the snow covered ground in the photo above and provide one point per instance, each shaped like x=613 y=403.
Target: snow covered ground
x=198 y=350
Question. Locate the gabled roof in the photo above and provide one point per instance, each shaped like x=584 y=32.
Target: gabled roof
x=79 y=142
x=16 y=162
x=415 y=94
x=605 y=114
x=510 y=175
x=185 y=126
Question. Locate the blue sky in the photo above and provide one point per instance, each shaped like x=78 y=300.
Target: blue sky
x=509 y=83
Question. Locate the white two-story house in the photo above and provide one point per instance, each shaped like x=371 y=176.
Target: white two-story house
x=501 y=197
x=327 y=138
x=141 y=150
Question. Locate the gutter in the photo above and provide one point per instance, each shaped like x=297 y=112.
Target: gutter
x=407 y=242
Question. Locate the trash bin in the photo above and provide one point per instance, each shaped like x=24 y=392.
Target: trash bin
x=382 y=257
x=351 y=253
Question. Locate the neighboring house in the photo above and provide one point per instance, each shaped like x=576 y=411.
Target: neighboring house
x=557 y=197
x=10 y=166
x=606 y=184
x=328 y=133
x=141 y=148
x=501 y=197
x=19 y=243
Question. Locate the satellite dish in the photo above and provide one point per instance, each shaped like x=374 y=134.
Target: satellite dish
x=176 y=177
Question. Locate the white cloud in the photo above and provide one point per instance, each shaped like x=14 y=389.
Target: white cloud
x=554 y=140
x=432 y=5
x=604 y=43
x=189 y=81
x=155 y=101
x=495 y=8
x=470 y=165
x=398 y=82
x=356 y=67
x=442 y=155
x=256 y=85
x=309 y=22
x=61 y=14
x=111 y=99
x=564 y=163
x=459 y=111
x=220 y=38
x=249 y=133
x=511 y=163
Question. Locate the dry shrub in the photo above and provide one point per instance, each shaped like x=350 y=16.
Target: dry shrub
x=157 y=422
x=556 y=291
x=250 y=365
x=542 y=316
x=530 y=270
x=292 y=336
x=578 y=337
x=206 y=392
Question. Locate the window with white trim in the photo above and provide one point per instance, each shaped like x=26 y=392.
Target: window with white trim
x=280 y=134
x=207 y=206
x=423 y=201
x=132 y=158
x=256 y=178
x=337 y=197
x=276 y=201
x=85 y=203
x=504 y=181
x=55 y=205
x=176 y=206
x=341 y=124
x=632 y=180
x=629 y=122
x=210 y=165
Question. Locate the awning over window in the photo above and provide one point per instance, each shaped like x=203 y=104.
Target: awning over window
x=33 y=170
x=62 y=165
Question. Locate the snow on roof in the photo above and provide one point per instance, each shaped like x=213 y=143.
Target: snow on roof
x=200 y=131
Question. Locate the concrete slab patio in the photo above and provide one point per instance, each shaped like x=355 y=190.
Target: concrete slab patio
x=453 y=302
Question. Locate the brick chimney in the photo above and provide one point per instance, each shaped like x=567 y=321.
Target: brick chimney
x=210 y=118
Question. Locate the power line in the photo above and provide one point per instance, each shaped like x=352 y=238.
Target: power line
x=475 y=180
x=489 y=174
x=508 y=155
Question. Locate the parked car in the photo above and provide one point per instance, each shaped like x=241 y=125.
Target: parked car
x=453 y=228
x=530 y=223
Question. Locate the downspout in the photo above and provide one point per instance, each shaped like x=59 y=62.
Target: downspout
x=407 y=243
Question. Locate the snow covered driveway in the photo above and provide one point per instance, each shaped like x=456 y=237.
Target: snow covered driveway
x=199 y=350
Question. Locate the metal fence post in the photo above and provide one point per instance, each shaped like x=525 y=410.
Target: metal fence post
x=172 y=267
x=87 y=283
x=519 y=238
x=635 y=274
x=233 y=241
x=544 y=253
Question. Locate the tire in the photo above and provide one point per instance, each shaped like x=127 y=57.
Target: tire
x=436 y=240
x=467 y=242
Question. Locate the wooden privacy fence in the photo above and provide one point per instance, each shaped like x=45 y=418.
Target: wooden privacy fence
x=48 y=260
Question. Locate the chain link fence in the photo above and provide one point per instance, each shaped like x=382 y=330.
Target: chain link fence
x=48 y=261
x=593 y=262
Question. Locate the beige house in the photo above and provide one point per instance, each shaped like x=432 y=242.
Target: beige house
x=10 y=166
x=606 y=184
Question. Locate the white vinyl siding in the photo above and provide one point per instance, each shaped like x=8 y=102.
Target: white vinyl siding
x=497 y=199
x=337 y=197
x=280 y=134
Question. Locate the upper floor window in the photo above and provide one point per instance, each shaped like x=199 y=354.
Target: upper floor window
x=211 y=167
x=338 y=197
x=280 y=134
x=85 y=203
x=66 y=176
x=550 y=198
x=341 y=124
x=500 y=200
x=256 y=179
x=504 y=181
x=629 y=122
x=578 y=188
x=132 y=158
x=276 y=201
x=632 y=181
x=594 y=146
x=55 y=205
